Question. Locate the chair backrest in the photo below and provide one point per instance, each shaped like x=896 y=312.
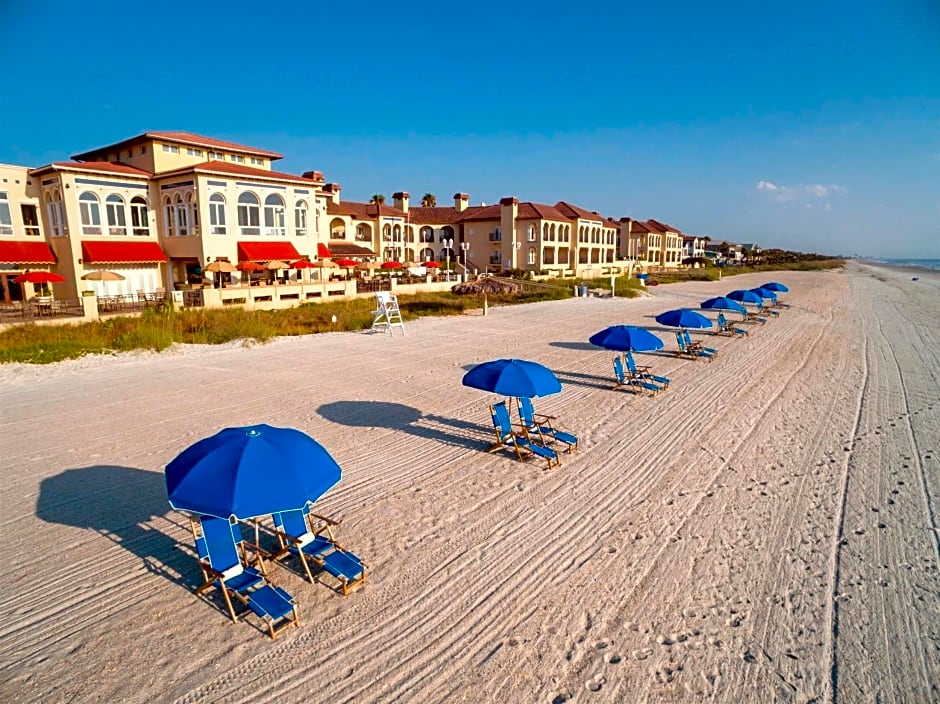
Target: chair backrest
x=218 y=544
x=687 y=337
x=618 y=369
x=292 y=522
x=526 y=412
x=722 y=322
x=631 y=364
x=680 y=341
x=501 y=419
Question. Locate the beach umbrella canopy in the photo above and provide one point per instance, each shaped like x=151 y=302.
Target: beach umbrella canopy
x=345 y=263
x=513 y=377
x=250 y=471
x=626 y=338
x=746 y=296
x=432 y=265
x=276 y=264
x=302 y=264
x=765 y=293
x=39 y=277
x=250 y=266
x=723 y=303
x=220 y=266
x=775 y=286
x=683 y=318
x=391 y=265
x=102 y=275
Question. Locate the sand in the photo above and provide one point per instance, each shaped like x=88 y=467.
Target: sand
x=765 y=530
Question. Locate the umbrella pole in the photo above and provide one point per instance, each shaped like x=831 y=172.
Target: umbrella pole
x=485 y=305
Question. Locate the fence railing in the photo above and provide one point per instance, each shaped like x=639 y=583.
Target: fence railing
x=41 y=309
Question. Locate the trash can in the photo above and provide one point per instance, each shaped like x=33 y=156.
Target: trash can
x=582 y=291
x=577 y=291
x=642 y=278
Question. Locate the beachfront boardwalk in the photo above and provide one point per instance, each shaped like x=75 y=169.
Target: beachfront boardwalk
x=764 y=531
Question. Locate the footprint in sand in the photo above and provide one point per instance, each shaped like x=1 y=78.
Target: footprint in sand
x=613 y=658
x=642 y=653
x=595 y=684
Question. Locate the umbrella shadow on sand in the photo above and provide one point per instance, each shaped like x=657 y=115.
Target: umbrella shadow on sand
x=580 y=346
x=118 y=503
x=397 y=416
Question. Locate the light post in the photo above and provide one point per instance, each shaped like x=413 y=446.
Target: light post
x=448 y=243
x=465 y=246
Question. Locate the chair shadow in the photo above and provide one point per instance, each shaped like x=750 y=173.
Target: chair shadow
x=591 y=381
x=397 y=416
x=118 y=504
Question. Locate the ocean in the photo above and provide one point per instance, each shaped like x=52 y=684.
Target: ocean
x=915 y=263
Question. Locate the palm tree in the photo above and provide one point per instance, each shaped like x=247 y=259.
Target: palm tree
x=428 y=200
x=378 y=198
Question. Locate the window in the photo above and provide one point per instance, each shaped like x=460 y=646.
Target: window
x=139 y=224
x=530 y=257
x=256 y=161
x=387 y=233
x=238 y=159
x=427 y=254
x=531 y=234
x=182 y=216
x=300 y=218
x=427 y=234
x=274 y=216
x=55 y=214
x=193 y=152
x=117 y=223
x=216 y=214
x=30 y=220
x=171 y=149
x=6 y=218
x=249 y=214
x=217 y=156
x=193 y=214
x=91 y=215
x=169 y=217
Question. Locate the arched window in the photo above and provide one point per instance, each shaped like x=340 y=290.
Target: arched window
x=193 y=209
x=182 y=216
x=409 y=234
x=427 y=234
x=531 y=233
x=117 y=220
x=274 y=216
x=169 y=217
x=300 y=218
x=217 y=214
x=387 y=233
x=139 y=224
x=427 y=254
x=530 y=257
x=396 y=233
x=54 y=211
x=249 y=214
x=90 y=214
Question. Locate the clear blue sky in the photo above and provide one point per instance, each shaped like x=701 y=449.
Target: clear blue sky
x=804 y=125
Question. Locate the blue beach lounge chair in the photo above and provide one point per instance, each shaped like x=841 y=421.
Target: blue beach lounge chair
x=541 y=425
x=643 y=372
x=698 y=347
x=633 y=384
x=685 y=350
x=223 y=564
x=724 y=327
x=297 y=537
x=522 y=444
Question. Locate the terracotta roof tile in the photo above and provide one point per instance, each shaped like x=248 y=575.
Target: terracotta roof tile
x=229 y=169
x=108 y=167
x=189 y=138
x=661 y=226
x=639 y=226
x=573 y=212
x=363 y=211
x=432 y=216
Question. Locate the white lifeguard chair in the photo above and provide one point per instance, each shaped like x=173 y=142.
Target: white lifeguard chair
x=386 y=315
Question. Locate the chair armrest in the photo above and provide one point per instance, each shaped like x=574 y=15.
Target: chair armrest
x=325 y=519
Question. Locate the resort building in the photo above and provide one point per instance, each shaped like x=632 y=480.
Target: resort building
x=670 y=238
x=693 y=248
x=22 y=244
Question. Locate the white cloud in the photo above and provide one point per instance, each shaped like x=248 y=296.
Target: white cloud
x=801 y=192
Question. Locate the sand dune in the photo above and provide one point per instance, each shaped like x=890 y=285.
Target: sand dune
x=765 y=530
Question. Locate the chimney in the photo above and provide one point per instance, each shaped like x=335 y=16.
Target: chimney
x=331 y=191
x=400 y=200
x=461 y=201
x=315 y=175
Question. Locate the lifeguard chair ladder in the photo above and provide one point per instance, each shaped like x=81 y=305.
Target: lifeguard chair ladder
x=386 y=315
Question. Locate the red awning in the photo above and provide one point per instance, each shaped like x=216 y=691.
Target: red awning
x=323 y=251
x=122 y=253
x=267 y=251
x=25 y=253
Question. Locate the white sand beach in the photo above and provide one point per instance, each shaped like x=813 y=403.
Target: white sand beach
x=763 y=531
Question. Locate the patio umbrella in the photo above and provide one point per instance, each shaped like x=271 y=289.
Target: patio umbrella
x=746 y=296
x=220 y=266
x=39 y=277
x=250 y=266
x=345 y=263
x=250 y=471
x=303 y=264
x=764 y=293
x=626 y=338
x=775 y=286
x=433 y=265
x=391 y=265
x=369 y=266
x=683 y=318
x=513 y=377
x=102 y=275
x=723 y=303
x=276 y=264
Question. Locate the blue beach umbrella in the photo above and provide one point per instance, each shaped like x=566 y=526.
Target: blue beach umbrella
x=746 y=296
x=250 y=471
x=683 y=318
x=513 y=377
x=626 y=338
x=765 y=293
x=723 y=303
x=775 y=286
